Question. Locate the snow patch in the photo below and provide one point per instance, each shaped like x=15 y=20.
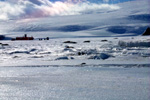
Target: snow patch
x=134 y=43
x=102 y=56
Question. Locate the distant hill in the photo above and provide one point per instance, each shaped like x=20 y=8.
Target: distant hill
x=2 y=37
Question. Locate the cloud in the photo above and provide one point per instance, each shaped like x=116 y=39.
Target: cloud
x=21 y=9
x=7 y=9
x=106 y=0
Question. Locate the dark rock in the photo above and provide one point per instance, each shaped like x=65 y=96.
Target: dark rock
x=64 y=58
x=45 y=53
x=71 y=58
x=20 y=52
x=83 y=63
x=87 y=41
x=72 y=42
x=87 y=52
x=5 y=44
x=81 y=53
x=32 y=50
x=68 y=47
x=47 y=38
x=13 y=39
x=2 y=37
x=147 y=32
x=104 y=40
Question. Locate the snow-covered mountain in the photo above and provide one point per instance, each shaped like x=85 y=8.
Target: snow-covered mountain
x=82 y=20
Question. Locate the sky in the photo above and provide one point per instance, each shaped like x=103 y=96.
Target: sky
x=74 y=17
x=18 y=9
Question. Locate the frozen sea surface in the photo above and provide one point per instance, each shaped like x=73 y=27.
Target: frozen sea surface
x=74 y=83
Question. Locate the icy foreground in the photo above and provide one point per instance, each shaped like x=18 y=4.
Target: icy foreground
x=76 y=51
x=74 y=83
x=108 y=68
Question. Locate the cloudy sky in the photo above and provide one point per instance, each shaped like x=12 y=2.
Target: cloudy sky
x=17 y=9
x=88 y=16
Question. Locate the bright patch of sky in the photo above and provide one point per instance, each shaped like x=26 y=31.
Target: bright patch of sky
x=97 y=1
x=21 y=9
x=18 y=9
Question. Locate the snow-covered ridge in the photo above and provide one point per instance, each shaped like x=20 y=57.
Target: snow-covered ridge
x=121 y=50
x=145 y=43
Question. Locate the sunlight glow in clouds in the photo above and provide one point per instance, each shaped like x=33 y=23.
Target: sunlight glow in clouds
x=21 y=9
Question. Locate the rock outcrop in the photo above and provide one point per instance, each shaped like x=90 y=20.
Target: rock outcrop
x=2 y=37
x=147 y=32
